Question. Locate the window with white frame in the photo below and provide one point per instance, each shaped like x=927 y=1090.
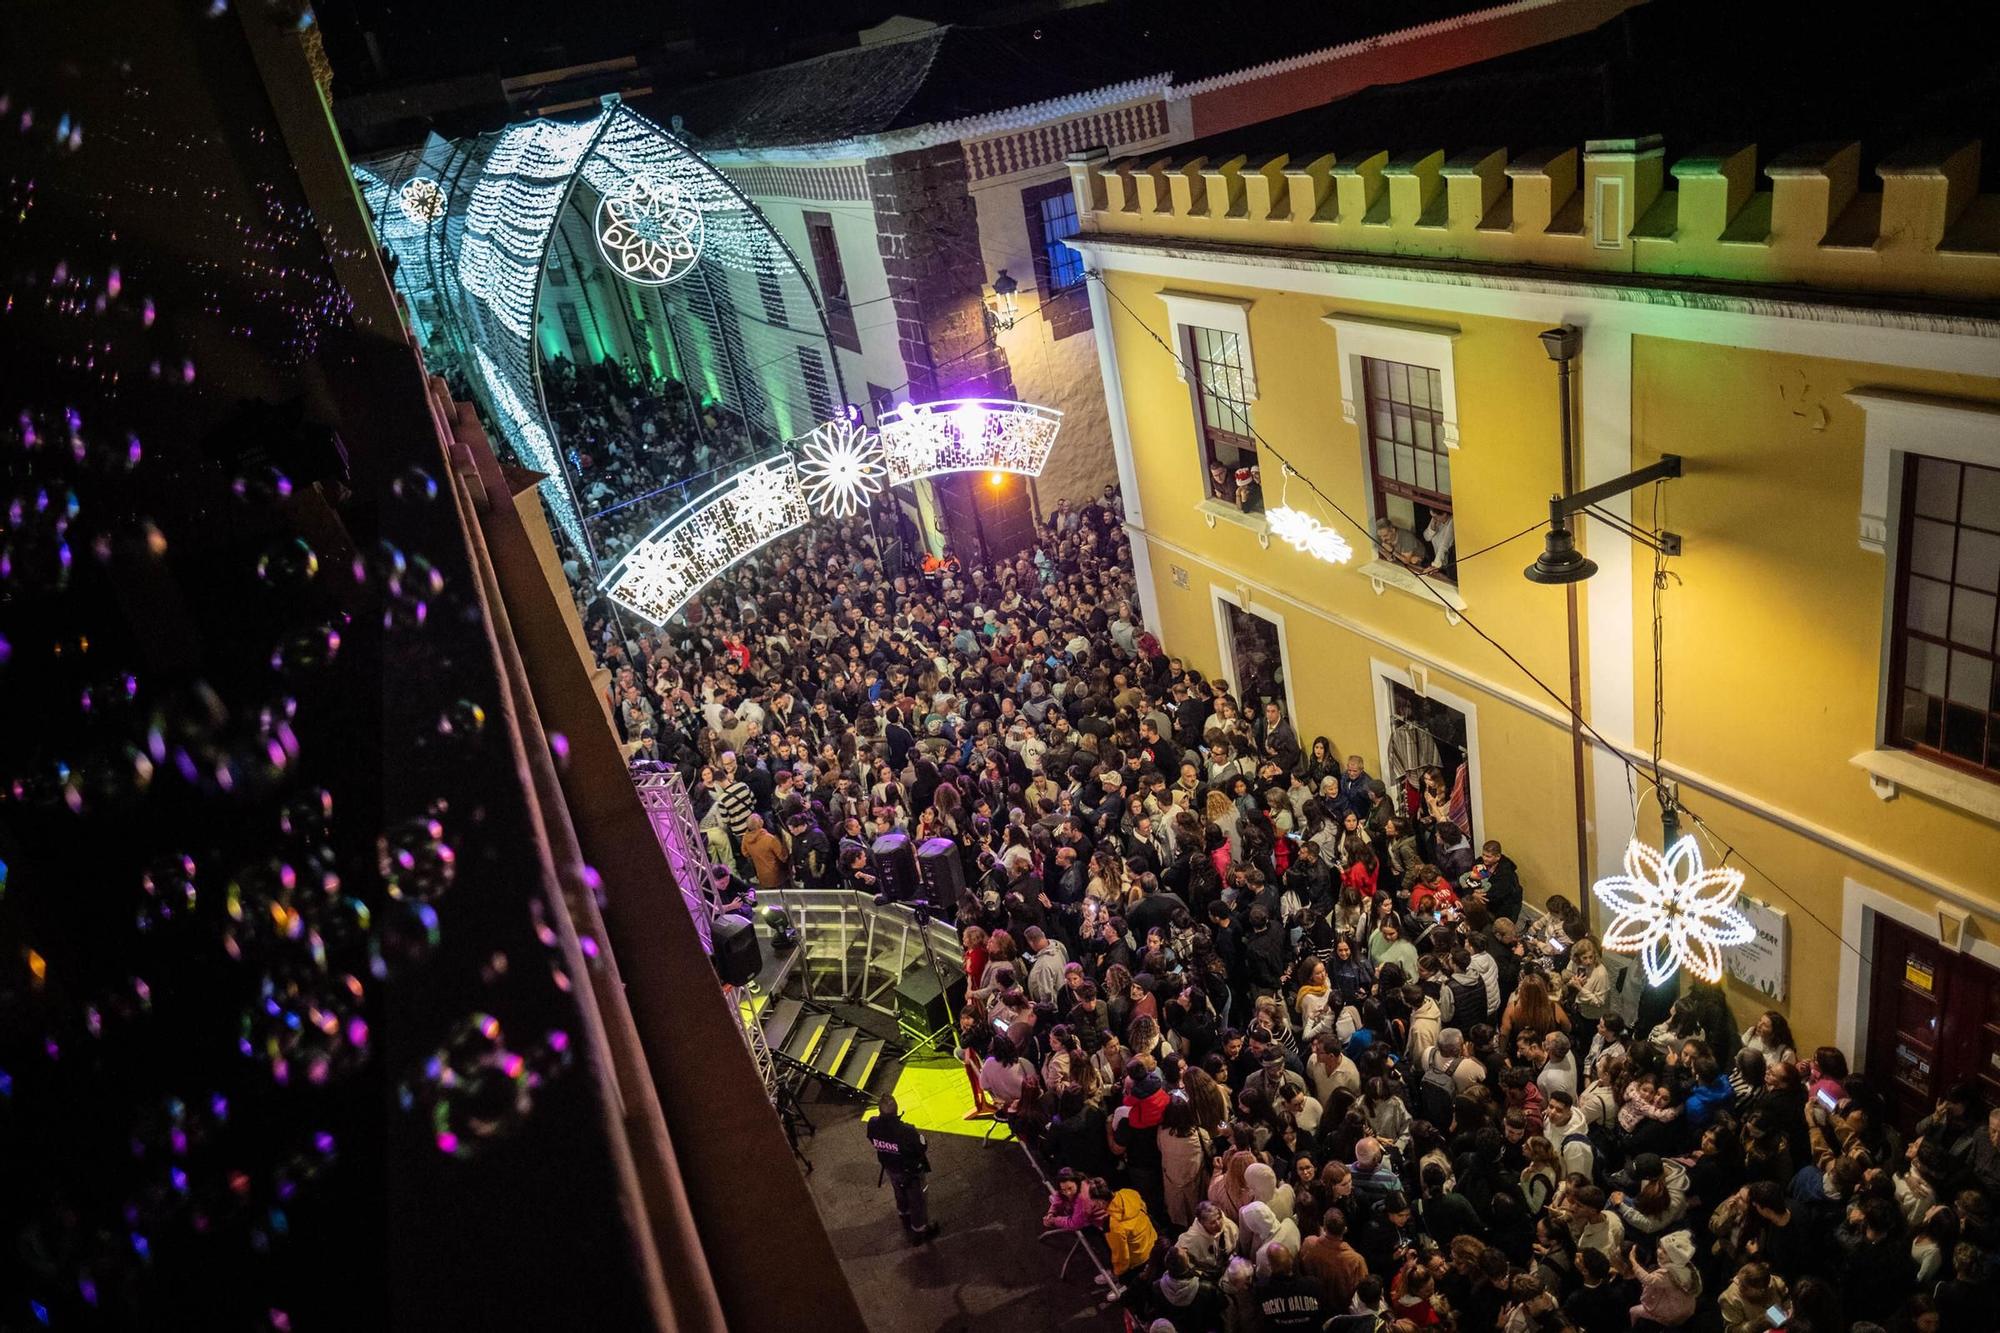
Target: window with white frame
x=1229 y=450
x=1408 y=465
x=1944 y=691
x=1398 y=389
x=1930 y=502
x=1212 y=340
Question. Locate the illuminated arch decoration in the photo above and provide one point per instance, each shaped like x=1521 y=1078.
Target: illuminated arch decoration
x=967 y=435
x=840 y=467
x=648 y=232
x=712 y=533
x=475 y=256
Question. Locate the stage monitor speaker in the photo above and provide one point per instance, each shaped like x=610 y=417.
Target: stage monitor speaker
x=922 y=1007
x=895 y=859
x=738 y=958
x=941 y=873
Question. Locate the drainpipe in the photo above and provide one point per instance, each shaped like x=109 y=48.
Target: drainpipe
x=1562 y=345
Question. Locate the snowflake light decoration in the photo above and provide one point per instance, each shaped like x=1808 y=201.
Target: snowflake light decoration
x=1306 y=533
x=648 y=231
x=422 y=201
x=1673 y=912
x=764 y=493
x=840 y=464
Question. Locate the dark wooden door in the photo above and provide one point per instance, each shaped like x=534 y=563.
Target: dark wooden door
x=1934 y=1021
x=1907 y=1003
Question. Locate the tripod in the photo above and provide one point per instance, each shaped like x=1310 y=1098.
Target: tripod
x=921 y=911
x=794 y=1118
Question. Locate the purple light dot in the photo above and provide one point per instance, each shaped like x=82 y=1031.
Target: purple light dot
x=447 y=1141
x=357 y=1032
x=323 y=1143
x=588 y=945
x=558 y=1040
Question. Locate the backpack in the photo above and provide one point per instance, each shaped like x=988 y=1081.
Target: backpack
x=1437 y=1092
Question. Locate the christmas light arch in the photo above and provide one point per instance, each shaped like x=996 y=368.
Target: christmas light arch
x=472 y=257
x=832 y=472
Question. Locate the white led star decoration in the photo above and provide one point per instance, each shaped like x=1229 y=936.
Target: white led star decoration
x=648 y=231
x=840 y=464
x=423 y=202
x=1306 y=533
x=1673 y=912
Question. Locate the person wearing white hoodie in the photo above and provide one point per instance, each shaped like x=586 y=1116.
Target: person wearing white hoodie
x=1258 y=1226
x=1264 y=1188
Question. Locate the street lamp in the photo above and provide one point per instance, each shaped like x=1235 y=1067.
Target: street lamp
x=1560 y=562
x=1003 y=314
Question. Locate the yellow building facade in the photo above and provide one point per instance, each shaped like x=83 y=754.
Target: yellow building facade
x=1802 y=342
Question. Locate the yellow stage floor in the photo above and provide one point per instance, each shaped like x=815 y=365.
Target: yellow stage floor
x=933 y=1095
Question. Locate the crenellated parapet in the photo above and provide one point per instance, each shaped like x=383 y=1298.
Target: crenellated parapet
x=1615 y=205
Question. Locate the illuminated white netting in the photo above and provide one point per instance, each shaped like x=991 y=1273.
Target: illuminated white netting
x=1305 y=533
x=967 y=435
x=1673 y=912
x=718 y=528
x=524 y=427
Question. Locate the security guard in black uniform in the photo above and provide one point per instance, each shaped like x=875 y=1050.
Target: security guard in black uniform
x=906 y=1161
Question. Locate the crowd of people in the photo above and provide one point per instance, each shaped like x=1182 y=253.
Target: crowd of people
x=638 y=447
x=1289 y=1037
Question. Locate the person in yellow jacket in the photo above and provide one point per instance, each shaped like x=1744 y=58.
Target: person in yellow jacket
x=1129 y=1231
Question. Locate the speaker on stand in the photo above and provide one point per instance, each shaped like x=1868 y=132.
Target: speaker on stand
x=941 y=875
x=895 y=858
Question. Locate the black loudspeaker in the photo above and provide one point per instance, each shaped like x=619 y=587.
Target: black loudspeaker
x=941 y=873
x=738 y=959
x=923 y=1010
x=895 y=859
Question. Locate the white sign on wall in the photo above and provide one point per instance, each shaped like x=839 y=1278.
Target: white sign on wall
x=1760 y=964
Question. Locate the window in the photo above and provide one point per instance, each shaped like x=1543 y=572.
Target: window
x=773 y=296
x=1408 y=462
x=832 y=282
x=555 y=267
x=572 y=328
x=1051 y=216
x=1224 y=399
x=880 y=400
x=818 y=395
x=1944 y=697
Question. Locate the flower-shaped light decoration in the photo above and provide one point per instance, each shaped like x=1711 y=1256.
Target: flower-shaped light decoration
x=423 y=202
x=1308 y=534
x=1673 y=912
x=648 y=231
x=840 y=465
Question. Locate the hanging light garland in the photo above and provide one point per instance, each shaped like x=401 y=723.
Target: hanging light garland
x=1672 y=911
